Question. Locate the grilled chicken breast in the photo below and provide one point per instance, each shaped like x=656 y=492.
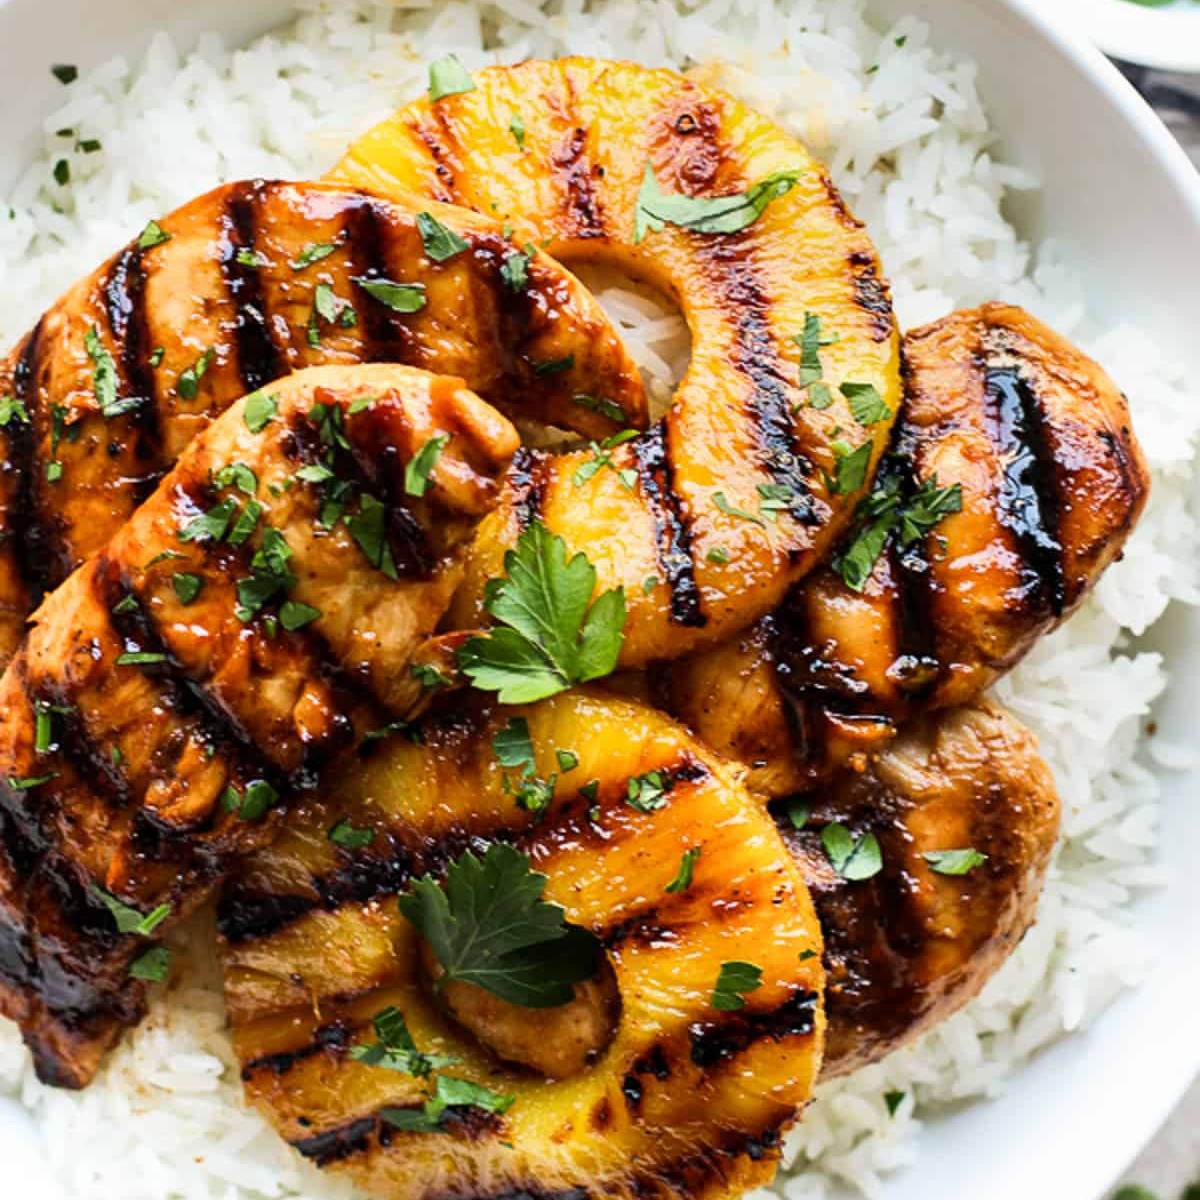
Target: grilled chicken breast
x=253 y=618
x=683 y=1098
x=1050 y=479
x=242 y=286
x=910 y=946
x=707 y=518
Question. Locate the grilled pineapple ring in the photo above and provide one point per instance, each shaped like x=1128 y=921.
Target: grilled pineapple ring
x=684 y=1099
x=739 y=430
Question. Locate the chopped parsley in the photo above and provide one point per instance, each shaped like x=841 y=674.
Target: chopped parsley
x=819 y=396
x=687 y=867
x=188 y=384
x=515 y=269
x=210 y=525
x=718 y=555
x=156 y=356
x=854 y=859
x=312 y=253
x=260 y=410
x=598 y=404
x=810 y=343
x=399 y=297
x=246 y=257
x=439 y=241
x=647 y=793
x=514 y=750
x=553 y=366
x=251 y=804
x=26 y=783
x=129 y=919
x=734 y=983
x=368 y=528
x=428 y=676
x=104 y=374
x=706 y=214
x=152 y=965
x=417 y=472
x=140 y=658
x=954 y=862
x=293 y=615
x=153 y=235
x=54 y=471
x=567 y=760
x=867 y=405
x=649 y=584
x=237 y=475
x=487 y=924
x=551 y=635
x=12 y=409
x=349 y=836
x=729 y=510
x=65 y=72
x=269 y=575
x=602 y=457
x=62 y=172
x=517 y=128
x=798 y=813
x=850 y=472
x=893 y=1100
x=448 y=77
x=395 y=1048
x=187 y=586
x=449 y=1092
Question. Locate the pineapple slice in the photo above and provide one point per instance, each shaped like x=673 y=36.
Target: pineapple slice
x=794 y=378
x=682 y=1097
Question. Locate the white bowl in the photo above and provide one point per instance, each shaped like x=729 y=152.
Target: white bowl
x=1126 y=203
x=1167 y=37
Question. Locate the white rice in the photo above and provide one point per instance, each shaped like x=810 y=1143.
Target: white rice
x=908 y=141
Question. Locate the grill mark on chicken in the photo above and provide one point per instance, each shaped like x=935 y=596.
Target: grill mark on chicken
x=1027 y=502
x=333 y=1145
x=726 y=1037
x=755 y=356
x=672 y=525
x=259 y=360
x=364 y=224
x=38 y=551
x=527 y=486
x=125 y=303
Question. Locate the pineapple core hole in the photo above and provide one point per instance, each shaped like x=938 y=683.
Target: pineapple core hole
x=555 y=1042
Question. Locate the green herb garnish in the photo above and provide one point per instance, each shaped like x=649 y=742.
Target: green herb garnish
x=954 y=862
x=349 y=836
x=417 y=472
x=187 y=586
x=448 y=77
x=260 y=410
x=439 y=241
x=129 y=919
x=395 y=1048
x=153 y=235
x=517 y=128
x=399 y=297
x=734 y=983
x=854 y=859
x=152 y=965
x=188 y=384
x=313 y=252
x=866 y=403
x=687 y=867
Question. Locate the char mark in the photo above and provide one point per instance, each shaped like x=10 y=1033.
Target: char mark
x=715 y=1042
x=38 y=548
x=527 y=484
x=259 y=361
x=756 y=357
x=573 y=173
x=334 y=1145
x=125 y=302
x=333 y=1037
x=672 y=527
x=386 y=338
x=1028 y=502
x=872 y=295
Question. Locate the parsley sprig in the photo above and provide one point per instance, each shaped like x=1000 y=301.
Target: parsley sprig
x=487 y=924
x=551 y=634
x=395 y=1048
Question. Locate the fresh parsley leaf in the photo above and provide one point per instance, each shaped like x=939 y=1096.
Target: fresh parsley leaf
x=313 y=252
x=867 y=405
x=606 y=408
x=140 y=658
x=647 y=793
x=851 y=470
x=687 y=867
x=551 y=635
x=734 y=983
x=54 y=471
x=26 y=783
x=152 y=965
x=810 y=350
x=65 y=72
x=798 y=813
x=187 y=586
x=513 y=745
x=259 y=411
x=251 y=804
x=730 y=511
x=819 y=396
x=718 y=555
x=893 y=1100
x=448 y=77
x=706 y=214
x=602 y=457
x=439 y=241
x=269 y=574
x=515 y=269
x=567 y=760
x=927 y=507
x=395 y=1048
x=399 y=297
x=188 y=384
x=954 y=862
x=368 y=527
x=649 y=584
x=249 y=258
x=293 y=615
x=417 y=472
x=62 y=172
x=487 y=924
x=553 y=366
x=532 y=793
x=128 y=918
x=237 y=475
x=349 y=836
x=104 y=372
x=43 y=736
x=517 y=128
x=428 y=676
x=805 y=955
x=246 y=522
x=774 y=498
x=153 y=235
x=449 y=1092
x=12 y=409
x=854 y=859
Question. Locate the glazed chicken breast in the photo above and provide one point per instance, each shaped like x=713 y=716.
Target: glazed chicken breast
x=256 y=616
x=707 y=518
x=672 y=1085
x=238 y=288
x=1013 y=480
x=910 y=946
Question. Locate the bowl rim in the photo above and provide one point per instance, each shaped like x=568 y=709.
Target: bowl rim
x=1165 y=38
